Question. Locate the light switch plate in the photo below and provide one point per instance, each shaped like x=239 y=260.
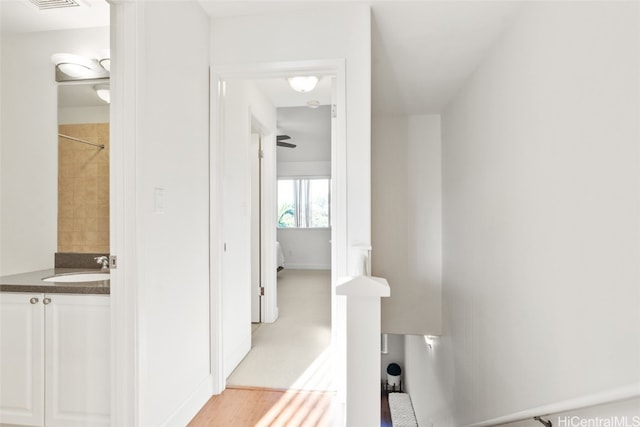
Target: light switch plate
x=158 y=200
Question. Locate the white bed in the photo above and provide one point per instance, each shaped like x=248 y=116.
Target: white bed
x=280 y=256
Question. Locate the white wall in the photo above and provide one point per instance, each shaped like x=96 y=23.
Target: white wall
x=329 y=32
x=395 y=354
x=242 y=101
x=28 y=150
x=306 y=248
x=623 y=413
x=541 y=237
x=77 y=115
x=303 y=169
x=172 y=247
x=407 y=225
x=309 y=129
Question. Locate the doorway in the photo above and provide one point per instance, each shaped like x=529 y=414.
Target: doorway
x=283 y=351
x=230 y=337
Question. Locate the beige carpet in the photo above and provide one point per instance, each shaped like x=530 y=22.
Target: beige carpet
x=293 y=352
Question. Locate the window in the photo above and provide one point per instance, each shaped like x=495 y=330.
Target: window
x=303 y=203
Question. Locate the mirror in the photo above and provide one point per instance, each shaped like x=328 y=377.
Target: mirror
x=83 y=169
x=29 y=169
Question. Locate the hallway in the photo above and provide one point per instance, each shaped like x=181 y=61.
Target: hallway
x=295 y=351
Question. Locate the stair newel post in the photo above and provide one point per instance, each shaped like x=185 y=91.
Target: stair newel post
x=363 y=295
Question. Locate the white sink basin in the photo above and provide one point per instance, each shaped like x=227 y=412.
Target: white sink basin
x=78 y=277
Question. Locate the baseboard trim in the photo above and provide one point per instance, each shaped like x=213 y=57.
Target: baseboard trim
x=289 y=266
x=192 y=405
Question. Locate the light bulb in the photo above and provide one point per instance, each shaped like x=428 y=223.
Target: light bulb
x=303 y=83
x=104 y=92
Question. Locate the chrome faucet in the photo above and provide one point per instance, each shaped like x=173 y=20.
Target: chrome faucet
x=104 y=260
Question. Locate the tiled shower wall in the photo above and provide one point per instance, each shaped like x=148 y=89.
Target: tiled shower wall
x=83 y=189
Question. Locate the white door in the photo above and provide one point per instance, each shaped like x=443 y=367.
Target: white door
x=78 y=373
x=21 y=359
x=256 y=279
x=236 y=227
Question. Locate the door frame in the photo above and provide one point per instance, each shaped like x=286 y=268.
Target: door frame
x=125 y=32
x=339 y=250
x=263 y=272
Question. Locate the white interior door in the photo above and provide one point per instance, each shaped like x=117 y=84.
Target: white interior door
x=256 y=280
x=236 y=225
x=268 y=263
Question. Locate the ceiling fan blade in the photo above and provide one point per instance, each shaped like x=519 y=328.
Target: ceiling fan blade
x=282 y=137
x=285 y=144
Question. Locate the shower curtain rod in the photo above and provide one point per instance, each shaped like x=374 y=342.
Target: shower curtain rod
x=100 y=146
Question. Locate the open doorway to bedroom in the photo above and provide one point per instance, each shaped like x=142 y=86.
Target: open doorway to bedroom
x=292 y=351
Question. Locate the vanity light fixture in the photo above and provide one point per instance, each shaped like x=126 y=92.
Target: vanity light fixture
x=70 y=67
x=104 y=92
x=105 y=59
x=303 y=83
x=314 y=103
x=106 y=63
x=74 y=70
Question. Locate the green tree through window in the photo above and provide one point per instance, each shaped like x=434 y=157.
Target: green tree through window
x=304 y=203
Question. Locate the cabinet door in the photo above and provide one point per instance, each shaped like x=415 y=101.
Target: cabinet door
x=78 y=360
x=21 y=359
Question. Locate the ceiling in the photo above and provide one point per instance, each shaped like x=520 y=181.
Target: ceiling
x=309 y=129
x=422 y=51
x=78 y=95
x=281 y=95
x=21 y=16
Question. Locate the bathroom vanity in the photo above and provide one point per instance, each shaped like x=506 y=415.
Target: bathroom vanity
x=54 y=351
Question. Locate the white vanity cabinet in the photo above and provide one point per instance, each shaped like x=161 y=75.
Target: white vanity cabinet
x=21 y=359
x=55 y=360
x=77 y=361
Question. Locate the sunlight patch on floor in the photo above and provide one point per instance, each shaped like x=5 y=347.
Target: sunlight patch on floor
x=319 y=375
x=293 y=409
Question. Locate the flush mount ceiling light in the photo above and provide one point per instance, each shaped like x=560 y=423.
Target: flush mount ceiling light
x=70 y=67
x=303 y=83
x=106 y=63
x=105 y=59
x=104 y=92
x=314 y=103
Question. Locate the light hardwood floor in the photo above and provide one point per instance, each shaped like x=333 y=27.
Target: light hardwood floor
x=246 y=407
x=253 y=407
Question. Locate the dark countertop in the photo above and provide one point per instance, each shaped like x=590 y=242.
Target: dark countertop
x=32 y=282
